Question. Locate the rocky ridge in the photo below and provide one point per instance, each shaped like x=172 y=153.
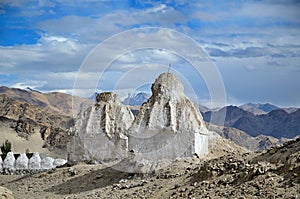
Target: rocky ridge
x=277 y=123
x=27 y=119
x=242 y=139
x=54 y=102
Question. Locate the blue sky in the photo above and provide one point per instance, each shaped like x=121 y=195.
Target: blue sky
x=254 y=44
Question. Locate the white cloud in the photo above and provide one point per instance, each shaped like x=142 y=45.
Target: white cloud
x=52 y=53
x=33 y=84
x=158 y=8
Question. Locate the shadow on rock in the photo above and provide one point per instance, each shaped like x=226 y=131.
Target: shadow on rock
x=93 y=180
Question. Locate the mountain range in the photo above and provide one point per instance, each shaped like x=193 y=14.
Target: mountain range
x=258 y=108
x=54 y=102
x=277 y=123
x=29 y=111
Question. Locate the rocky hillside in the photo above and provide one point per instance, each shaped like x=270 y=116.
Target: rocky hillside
x=26 y=119
x=242 y=139
x=273 y=173
x=277 y=123
x=55 y=102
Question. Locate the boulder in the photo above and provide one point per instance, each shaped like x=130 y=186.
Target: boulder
x=100 y=131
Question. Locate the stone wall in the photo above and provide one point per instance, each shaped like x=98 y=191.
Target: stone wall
x=23 y=164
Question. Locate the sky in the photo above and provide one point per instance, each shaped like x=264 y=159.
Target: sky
x=83 y=46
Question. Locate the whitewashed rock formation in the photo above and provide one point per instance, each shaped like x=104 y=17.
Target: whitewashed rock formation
x=47 y=163
x=35 y=162
x=9 y=162
x=168 y=125
x=100 y=131
x=1 y=162
x=22 y=162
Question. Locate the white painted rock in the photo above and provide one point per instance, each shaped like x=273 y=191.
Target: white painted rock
x=47 y=163
x=35 y=162
x=22 y=162
x=101 y=129
x=9 y=161
x=59 y=162
x=168 y=125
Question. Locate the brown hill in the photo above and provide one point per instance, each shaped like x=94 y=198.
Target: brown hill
x=243 y=139
x=26 y=119
x=54 y=102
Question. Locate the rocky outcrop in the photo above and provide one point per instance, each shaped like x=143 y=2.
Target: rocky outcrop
x=100 y=131
x=168 y=125
x=26 y=119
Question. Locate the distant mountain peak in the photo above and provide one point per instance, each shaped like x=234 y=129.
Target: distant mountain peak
x=258 y=108
x=136 y=99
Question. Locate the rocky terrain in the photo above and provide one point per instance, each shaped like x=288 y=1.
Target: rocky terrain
x=227 y=172
x=54 y=102
x=27 y=120
x=243 y=139
x=277 y=123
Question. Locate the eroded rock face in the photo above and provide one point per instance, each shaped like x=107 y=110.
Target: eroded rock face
x=100 y=131
x=168 y=125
